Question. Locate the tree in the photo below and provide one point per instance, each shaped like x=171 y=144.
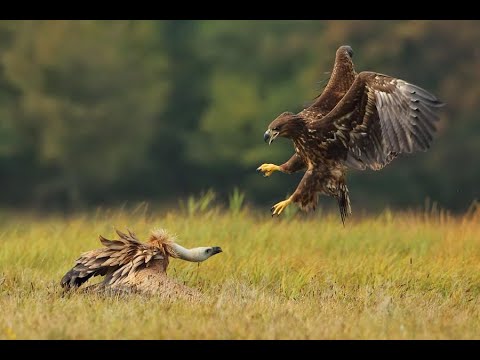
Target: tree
x=89 y=94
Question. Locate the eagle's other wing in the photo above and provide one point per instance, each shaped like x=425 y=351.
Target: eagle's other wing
x=117 y=260
x=379 y=118
x=341 y=79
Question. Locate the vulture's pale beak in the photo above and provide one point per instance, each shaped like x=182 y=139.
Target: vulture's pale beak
x=270 y=135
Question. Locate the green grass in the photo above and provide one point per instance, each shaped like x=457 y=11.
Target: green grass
x=394 y=276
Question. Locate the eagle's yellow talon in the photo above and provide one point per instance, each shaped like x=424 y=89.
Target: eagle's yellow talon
x=278 y=208
x=268 y=169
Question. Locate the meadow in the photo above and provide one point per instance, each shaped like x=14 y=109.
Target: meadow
x=410 y=275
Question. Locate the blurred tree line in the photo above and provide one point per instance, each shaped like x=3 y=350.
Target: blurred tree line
x=103 y=112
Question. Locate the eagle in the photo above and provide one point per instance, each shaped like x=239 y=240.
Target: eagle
x=129 y=265
x=360 y=121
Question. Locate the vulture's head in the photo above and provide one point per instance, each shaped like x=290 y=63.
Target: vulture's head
x=288 y=125
x=204 y=252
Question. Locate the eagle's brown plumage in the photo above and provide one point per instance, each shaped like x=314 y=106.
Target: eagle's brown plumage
x=130 y=265
x=359 y=121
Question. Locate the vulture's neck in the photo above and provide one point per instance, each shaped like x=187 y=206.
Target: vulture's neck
x=193 y=255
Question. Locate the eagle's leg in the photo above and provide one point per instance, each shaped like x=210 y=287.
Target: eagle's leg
x=268 y=169
x=305 y=196
x=279 y=207
x=294 y=164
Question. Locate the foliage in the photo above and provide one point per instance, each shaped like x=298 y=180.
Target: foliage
x=392 y=276
x=103 y=112
x=236 y=201
x=198 y=205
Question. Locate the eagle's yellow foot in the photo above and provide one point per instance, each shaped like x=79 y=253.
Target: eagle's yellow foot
x=268 y=169
x=278 y=208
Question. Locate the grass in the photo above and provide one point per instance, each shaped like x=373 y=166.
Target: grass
x=392 y=276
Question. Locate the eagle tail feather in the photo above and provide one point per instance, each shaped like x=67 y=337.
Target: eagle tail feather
x=344 y=203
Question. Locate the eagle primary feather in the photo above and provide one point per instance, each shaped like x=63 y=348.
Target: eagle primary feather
x=359 y=121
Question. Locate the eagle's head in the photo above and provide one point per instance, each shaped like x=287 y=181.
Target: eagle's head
x=287 y=124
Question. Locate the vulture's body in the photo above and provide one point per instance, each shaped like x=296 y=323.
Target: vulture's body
x=359 y=121
x=129 y=265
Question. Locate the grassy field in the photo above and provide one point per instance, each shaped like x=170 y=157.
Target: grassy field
x=393 y=276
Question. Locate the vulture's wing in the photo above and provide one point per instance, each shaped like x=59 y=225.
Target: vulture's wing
x=341 y=79
x=117 y=260
x=379 y=118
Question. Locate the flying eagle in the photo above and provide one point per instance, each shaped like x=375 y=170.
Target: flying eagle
x=359 y=121
x=131 y=265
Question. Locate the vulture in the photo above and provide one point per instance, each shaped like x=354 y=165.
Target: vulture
x=360 y=121
x=129 y=265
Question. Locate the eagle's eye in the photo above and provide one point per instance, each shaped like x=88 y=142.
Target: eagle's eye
x=275 y=128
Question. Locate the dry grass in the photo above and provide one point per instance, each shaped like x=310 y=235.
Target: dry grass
x=395 y=276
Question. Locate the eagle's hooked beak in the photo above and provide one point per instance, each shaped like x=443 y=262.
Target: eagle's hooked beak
x=216 y=250
x=270 y=135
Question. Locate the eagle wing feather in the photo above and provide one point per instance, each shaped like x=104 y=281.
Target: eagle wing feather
x=379 y=118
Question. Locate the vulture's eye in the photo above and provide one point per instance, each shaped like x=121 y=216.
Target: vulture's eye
x=207 y=251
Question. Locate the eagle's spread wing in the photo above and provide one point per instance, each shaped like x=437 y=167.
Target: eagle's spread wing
x=379 y=118
x=116 y=260
x=341 y=79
